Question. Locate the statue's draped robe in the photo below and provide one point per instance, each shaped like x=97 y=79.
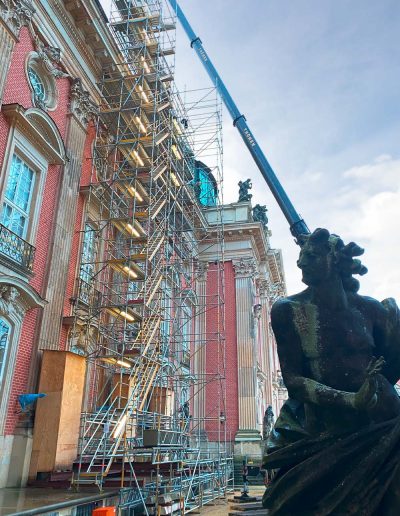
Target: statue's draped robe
x=349 y=473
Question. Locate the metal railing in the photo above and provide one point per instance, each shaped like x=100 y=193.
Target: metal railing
x=16 y=248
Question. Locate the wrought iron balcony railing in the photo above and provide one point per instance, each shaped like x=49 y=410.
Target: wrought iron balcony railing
x=16 y=248
x=87 y=294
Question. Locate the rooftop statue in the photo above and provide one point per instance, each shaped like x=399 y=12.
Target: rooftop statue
x=260 y=214
x=336 y=442
x=244 y=187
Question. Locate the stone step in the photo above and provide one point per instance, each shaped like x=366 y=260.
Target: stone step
x=246 y=506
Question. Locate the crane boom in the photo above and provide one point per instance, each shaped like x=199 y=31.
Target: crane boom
x=296 y=223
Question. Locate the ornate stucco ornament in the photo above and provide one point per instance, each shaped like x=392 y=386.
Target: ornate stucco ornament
x=10 y=302
x=48 y=55
x=245 y=268
x=81 y=104
x=16 y=14
x=201 y=271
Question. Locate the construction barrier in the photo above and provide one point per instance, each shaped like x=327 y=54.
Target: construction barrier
x=105 y=511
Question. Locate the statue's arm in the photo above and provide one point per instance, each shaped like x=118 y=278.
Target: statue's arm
x=299 y=386
x=387 y=335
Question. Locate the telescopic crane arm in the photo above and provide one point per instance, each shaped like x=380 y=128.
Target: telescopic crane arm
x=296 y=223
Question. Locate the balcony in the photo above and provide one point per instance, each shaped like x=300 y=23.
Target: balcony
x=16 y=250
x=88 y=295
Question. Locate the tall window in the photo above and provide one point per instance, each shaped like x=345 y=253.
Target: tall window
x=17 y=197
x=88 y=252
x=4 y=336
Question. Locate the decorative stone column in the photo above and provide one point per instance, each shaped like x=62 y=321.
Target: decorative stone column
x=14 y=14
x=81 y=111
x=267 y=338
x=245 y=272
x=199 y=356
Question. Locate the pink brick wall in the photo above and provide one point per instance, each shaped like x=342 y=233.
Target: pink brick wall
x=221 y=359
x=17 y=91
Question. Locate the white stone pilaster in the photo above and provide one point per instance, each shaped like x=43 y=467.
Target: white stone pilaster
x=199 y=357
x=245 y=272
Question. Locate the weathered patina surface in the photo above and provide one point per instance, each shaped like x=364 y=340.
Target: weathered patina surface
x=244 y=187
x=336 y=442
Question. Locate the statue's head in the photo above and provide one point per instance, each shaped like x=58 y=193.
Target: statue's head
x=324 y=256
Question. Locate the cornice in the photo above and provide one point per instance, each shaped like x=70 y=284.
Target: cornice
x=68 y=23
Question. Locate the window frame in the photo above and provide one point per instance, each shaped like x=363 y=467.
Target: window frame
x=3 y=364
x=50 y=100
x=26 y=213
x=20 y=146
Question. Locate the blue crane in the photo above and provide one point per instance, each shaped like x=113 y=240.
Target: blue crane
x=296 y=223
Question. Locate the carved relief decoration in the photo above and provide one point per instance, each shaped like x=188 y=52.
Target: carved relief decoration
x=81 y=104
x=50 y=57
x=245 y=268
x=270 y=290
x=83 y=339
x=16 y=14
x=11 y=302
x=201 y=271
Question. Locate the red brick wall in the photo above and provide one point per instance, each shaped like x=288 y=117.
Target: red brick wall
x=17 y=91
x=221 y=356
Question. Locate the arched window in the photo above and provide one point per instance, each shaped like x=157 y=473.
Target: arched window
x=41 y=83
x=5 y=330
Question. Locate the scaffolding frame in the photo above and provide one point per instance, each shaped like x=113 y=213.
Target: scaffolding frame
x=137 y=301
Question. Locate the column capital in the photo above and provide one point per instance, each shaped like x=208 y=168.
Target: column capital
x=245 y=268
x=16 y=14
x=81 y=104
x=201 y=269
x=269 y=290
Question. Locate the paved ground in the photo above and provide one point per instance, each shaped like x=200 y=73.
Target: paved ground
x=221 y=507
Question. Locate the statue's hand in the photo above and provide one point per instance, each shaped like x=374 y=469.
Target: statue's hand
x=366 y=398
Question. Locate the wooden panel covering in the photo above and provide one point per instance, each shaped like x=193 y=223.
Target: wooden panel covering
x=57 y=419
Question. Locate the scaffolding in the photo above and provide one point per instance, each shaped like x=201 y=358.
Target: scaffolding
x=139 y=311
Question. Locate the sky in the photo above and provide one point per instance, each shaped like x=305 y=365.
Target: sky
x=319 y=84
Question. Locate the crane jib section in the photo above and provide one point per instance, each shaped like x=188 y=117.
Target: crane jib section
x=296 y=223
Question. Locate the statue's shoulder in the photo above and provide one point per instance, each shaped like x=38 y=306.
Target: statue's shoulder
x=284 y=306
x=374 y=307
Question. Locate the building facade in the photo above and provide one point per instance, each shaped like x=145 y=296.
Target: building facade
x=129 y=296
x=50 y=65
x=253 y=280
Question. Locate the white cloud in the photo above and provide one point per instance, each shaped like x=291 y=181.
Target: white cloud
x=368 y=212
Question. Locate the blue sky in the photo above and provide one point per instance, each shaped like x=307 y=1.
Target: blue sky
x=319 y=84
x=318 y=81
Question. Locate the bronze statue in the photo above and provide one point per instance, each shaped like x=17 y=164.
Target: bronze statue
x=244 y=187
x=268 y=422
x=260 y=214
x=336 y=442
